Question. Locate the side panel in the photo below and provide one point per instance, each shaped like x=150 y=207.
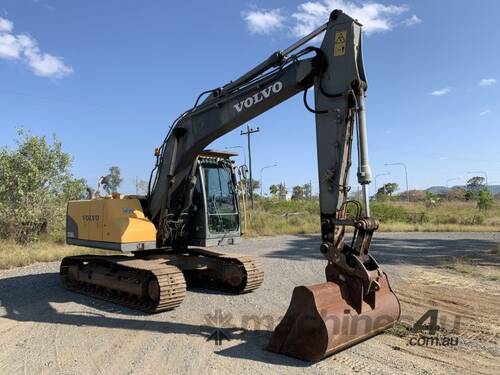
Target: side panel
x=115 y=224
x=124 y=222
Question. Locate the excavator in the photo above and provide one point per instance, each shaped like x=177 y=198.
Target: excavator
x=164 y=238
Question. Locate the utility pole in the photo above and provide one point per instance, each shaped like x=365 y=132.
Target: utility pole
x=249 y=132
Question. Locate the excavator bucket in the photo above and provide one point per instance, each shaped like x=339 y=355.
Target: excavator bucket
x=326 y=318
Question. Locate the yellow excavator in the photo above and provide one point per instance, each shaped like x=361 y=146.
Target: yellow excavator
x=192 y=205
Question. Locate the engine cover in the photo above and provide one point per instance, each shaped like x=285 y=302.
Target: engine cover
x=115 y=222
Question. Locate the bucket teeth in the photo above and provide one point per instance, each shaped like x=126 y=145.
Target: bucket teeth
x=321 y=320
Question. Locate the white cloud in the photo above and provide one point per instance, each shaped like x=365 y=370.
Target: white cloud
x=375 y=17
x=440 y=92
x=413 y=20
x=6 y=25
x=487 y=81
x=309 y=15
x=263 y=21
x=24 y=48
x=485 y=112
x=9 y=46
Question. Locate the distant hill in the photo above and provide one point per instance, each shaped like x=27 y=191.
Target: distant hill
x=437 y=189
x=494 y=189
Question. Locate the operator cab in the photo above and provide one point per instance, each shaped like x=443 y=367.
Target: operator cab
x=215 y=217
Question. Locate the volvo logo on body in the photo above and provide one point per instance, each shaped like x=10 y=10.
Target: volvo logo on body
x=259 y=96
x=90 y=217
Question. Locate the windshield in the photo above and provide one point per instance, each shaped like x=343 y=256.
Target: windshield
x=221 y=202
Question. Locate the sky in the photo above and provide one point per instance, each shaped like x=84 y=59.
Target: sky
x=109 y=77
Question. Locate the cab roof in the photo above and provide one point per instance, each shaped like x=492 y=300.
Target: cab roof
x=218 y=154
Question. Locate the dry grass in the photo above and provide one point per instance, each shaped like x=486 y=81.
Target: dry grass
x=270 y=218
x=262 y=223
x=300 y=217
x=14 y=255
x=468 y=268
x=430 y=227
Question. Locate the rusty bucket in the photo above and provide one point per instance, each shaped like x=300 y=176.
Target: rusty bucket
x=326 y=318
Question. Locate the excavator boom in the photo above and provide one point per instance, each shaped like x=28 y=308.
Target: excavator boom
x=356 y=288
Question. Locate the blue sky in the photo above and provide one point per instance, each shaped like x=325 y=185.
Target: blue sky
x=109 y=77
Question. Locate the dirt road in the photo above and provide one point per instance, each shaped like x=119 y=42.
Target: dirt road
x=45 y=329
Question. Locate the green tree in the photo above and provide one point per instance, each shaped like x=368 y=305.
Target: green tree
x=282 y=191
x=35 y=184
x=307 y=188
x=273 y=190
x=476 y=183
x=114 y=180
x=474 y=186
x=390 y=188
x=485 y=200
x=297 y=192
x=278 y=191
x=386 y=191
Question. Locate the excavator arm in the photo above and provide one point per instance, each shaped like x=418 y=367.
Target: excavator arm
x=356 y=288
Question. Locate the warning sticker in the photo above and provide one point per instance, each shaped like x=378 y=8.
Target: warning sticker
x=340 y=41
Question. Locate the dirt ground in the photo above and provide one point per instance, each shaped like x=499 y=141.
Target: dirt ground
x=46 y=329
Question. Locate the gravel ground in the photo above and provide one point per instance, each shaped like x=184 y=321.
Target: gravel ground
x=46 y=329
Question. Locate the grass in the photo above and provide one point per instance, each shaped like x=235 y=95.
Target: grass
x=399 y=329
x=14 y=255
x=263 y=223
x=271 y=217
x=430 y=227
x=468 y=268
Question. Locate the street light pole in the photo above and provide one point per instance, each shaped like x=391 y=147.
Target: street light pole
x=406 y=177
x=267 y=166
x=244 y=155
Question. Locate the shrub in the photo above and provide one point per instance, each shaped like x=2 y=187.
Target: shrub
x=484 y=201
x=389 y=212
x=35 y=184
